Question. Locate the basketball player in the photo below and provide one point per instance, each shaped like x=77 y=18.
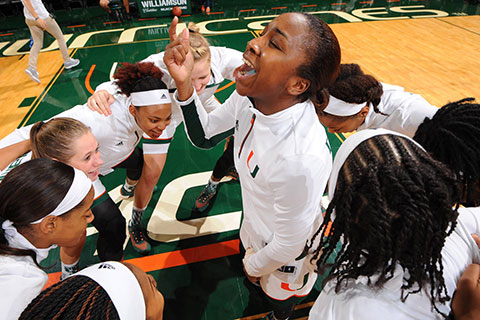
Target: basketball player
x=358 y=101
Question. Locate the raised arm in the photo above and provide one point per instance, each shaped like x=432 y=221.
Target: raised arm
x=179 y=61
x=204 y=130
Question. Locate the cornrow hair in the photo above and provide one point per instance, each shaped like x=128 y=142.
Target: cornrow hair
x=77 y=297
x=141 y=76
x=354 y=86
x=452 y=136
x=393 y=206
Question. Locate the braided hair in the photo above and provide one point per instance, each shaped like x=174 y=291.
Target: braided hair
x=393 y=206
x=77 y=297
x=354 y=86
x=452 y=136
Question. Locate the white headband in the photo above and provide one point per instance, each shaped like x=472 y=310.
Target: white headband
x=341 y=108
x=79 y=188
x=121 y=286
x=150 y=98
x=349 y=145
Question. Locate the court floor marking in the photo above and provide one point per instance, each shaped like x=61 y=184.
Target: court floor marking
x=456 y=25
x=175 y=258
x=39 y=99
x=87 y=79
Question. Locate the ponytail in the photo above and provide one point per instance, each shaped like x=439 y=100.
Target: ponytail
x=54 y=139
x=199 y=45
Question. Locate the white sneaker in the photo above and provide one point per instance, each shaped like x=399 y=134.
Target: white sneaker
x=71 y=63
x=32 y=74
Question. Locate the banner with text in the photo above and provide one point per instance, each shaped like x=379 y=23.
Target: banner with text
x=162 y=8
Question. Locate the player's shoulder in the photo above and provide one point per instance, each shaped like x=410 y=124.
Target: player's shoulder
x=224 y=53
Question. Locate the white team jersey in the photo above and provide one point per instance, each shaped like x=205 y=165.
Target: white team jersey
x=223 y=63
x=284 y=162
x=117 y=135
x=405 y=111
x=20 y=279
x=459 y=251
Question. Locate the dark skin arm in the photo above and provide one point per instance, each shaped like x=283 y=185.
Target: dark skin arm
x=466 y=300
x=179 y=61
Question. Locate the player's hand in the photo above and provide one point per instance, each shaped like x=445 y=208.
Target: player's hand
x=466 y=300
x=476 y=238
x=250 y=278
x=42 y=23
x=100 y=102
x=104 y=4
x=178 y=57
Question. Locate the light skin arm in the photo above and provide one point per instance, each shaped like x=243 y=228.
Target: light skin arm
x=12 y=152
x=179 y=61
x=152 y=169
x=29 y=7
x=104 y=5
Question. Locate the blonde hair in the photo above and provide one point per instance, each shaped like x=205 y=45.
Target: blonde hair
x=54 y=139
x=198 y=43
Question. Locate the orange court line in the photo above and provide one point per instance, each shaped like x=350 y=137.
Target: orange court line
x=143 y=19
x=365 y=2
x=174 y=258
x=225 y=86
x=220 y=12
x=187 y=256
x=278 y=8
x=6 y=34
x=87 y=79
x=339 y=4
x=246 y=10
x=76 y=26
x=187 y=15
x=309 y=5
x=110 y=22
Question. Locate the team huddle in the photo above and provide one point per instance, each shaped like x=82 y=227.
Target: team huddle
x=397 y=235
